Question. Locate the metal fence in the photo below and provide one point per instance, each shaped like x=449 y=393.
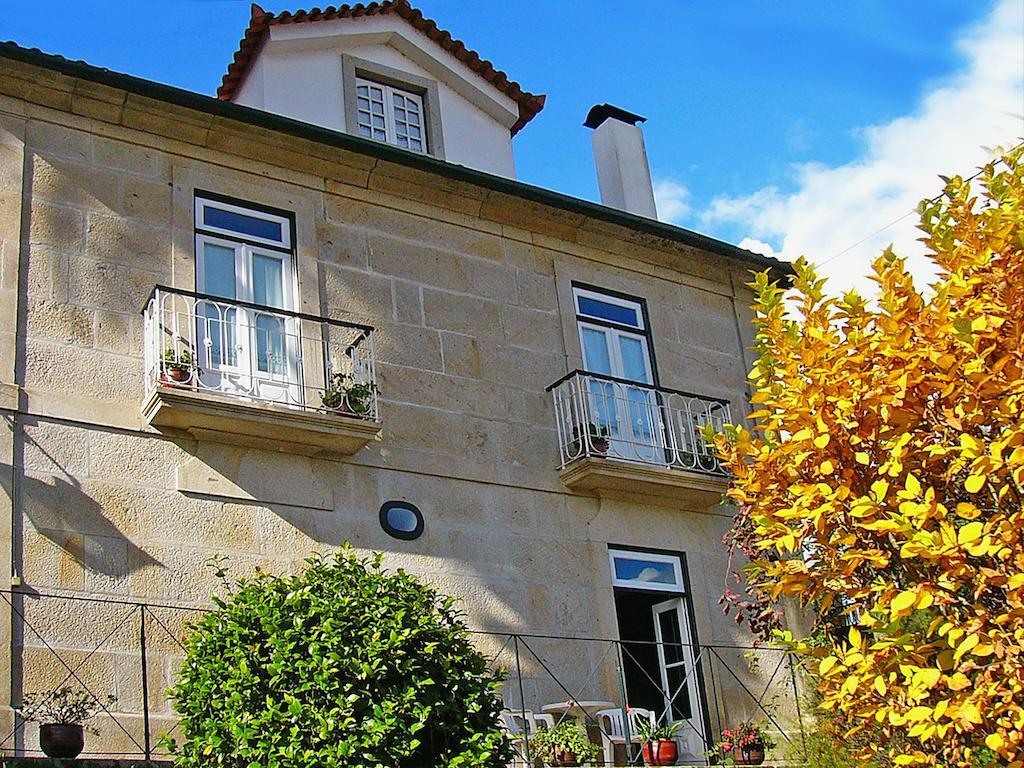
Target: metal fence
x=132 y=651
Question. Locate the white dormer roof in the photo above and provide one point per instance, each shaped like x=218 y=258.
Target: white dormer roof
x=295 y=64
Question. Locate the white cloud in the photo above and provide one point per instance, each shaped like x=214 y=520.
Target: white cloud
x=952 y=130
x=758 y=246
x=672 y=200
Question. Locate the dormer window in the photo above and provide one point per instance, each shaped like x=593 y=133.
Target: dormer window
x=390 y=114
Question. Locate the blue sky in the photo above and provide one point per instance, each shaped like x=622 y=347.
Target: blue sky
x=745 y=101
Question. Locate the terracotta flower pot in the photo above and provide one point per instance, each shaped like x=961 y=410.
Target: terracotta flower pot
x=661 y=752
x=562 y=757
x=751 y=754
x=176 y=375
x=61 y=741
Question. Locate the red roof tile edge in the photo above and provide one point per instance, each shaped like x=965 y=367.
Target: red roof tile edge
x=529 y=104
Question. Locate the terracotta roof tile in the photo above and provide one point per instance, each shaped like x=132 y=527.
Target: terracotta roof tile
x=261 y=21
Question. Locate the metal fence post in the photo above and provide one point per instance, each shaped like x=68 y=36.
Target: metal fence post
x=145 y=681
x=522 y=701
x=619 y=668
x=796 y=700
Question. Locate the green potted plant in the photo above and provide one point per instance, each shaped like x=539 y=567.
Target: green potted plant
x=659 y=742
x=565 y=744
x=178 y=367
x=345 y=395
x=598 y=442
x=746 y=745
x=62 y=715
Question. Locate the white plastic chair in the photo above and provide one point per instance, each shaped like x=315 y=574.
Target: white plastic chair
x=518 y=722
x=613 y=729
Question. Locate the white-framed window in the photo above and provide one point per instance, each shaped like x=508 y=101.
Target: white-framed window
x=646 y=570
x=245 y=254
x=390 y=114
x=608 y=308
x=243 y=223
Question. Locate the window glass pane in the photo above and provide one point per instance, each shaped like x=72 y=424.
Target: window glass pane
x=267 y=280
x=634 y=362
x=402 y=519
x=649 y=571
x=595 y=352
x=678 y=693
x=218 y=271
x=242 y=224
x=672 y=641
x=217 y=331
x=608 y=311
x=270 y=332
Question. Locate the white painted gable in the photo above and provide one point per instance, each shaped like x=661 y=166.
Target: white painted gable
x=298 y=72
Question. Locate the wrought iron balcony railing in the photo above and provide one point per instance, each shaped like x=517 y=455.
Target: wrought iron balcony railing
x=264 y=354
x=600 y=416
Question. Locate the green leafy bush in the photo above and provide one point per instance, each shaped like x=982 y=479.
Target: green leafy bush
x=564 y=744
x=344 y=665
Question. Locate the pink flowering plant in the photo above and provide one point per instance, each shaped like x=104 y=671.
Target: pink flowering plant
x=737 y=740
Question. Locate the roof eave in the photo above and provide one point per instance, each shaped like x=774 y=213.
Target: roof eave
x=267 y=120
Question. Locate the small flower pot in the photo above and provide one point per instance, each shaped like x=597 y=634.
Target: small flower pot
x=661 y=752
x=61 y=741
x=562 y=757
x=751 y=754
x=599 y=446
x=175 y=375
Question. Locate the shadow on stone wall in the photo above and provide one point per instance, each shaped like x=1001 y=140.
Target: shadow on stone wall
x=65 y=515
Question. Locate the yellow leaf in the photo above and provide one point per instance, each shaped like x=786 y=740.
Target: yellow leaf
x=926 y=678
x=919 y=713
x=974 y=483
x=913 y=486
x=994 y=741
x=879 y=488
x=970 y=533
x=822 y=440
x=967 y=511
x=826 y=467
x=902 y=602
x=862 y=457
x=854 y=637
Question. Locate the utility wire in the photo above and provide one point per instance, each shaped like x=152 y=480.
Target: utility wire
x=911 y=212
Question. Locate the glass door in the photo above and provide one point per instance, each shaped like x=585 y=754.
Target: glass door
x=678 y=669
x=248 y=351
x=630 y=413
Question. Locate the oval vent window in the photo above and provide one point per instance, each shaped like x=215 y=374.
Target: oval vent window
x=401 y=519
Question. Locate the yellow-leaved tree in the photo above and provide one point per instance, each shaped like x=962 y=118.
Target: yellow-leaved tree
x=881 y=479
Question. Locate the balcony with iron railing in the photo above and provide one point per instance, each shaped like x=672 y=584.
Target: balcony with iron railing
x=232 y=371
x=622 y=438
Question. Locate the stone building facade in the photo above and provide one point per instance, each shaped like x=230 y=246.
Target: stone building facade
x=120 y=483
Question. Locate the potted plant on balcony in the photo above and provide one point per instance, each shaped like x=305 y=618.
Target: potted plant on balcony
x=598 y=442
x=745 y=745
x=178 y=367
x=62 y=715
x=659 y=743
x=345 y=395
x=565 y=744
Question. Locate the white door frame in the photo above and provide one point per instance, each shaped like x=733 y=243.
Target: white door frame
x=688 y=663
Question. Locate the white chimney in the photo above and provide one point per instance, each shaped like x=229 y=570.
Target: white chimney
x=621 y=158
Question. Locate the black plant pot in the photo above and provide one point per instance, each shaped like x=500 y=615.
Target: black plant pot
x=61 y=741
